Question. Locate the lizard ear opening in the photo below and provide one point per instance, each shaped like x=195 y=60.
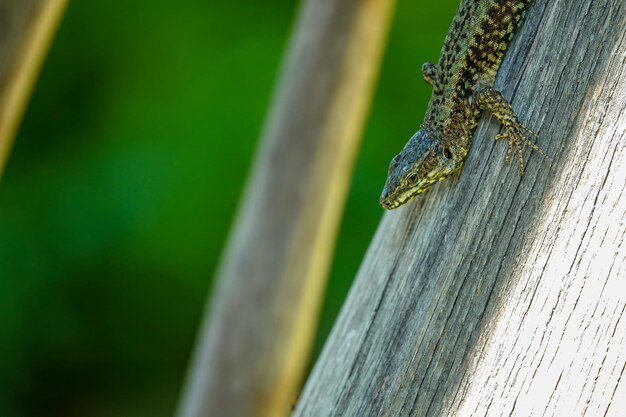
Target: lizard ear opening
x=447 y=153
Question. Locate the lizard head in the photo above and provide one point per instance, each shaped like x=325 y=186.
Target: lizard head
x=422 y=163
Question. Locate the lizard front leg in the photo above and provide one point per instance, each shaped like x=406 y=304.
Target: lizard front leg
x=488 y=98
x=429 y=72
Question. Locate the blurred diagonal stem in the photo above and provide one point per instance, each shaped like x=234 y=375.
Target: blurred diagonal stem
x=27 y=28
x=254 y=344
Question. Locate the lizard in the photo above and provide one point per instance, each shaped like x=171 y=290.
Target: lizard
x=463 y=87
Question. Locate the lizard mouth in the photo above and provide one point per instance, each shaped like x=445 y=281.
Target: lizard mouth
x=393 y=198
x=390 y=201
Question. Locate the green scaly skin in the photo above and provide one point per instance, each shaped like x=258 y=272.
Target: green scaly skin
x=462 y=84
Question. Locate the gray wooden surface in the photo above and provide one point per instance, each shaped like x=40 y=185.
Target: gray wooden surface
x=255 y=341
x=26 y=31
x=495 y=295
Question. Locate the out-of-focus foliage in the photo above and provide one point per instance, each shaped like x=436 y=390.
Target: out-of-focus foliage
x=125 y=177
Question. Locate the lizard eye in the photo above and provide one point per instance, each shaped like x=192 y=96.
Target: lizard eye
x=412 y=177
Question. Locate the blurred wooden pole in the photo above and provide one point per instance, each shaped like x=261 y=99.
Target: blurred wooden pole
x=254 y=344
x=27 y=28
x=495 y=295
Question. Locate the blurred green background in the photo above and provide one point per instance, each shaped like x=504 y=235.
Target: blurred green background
x=124 y=180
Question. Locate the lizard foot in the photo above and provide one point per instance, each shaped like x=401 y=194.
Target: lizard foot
x=516 y=134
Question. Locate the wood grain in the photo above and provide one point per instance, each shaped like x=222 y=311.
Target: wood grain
x=26 y=31
x=255 y=341
x=495 y=295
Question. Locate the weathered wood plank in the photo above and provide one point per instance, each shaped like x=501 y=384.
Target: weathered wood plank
x=26 y=31
x=498 y=295
x=255 y=342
